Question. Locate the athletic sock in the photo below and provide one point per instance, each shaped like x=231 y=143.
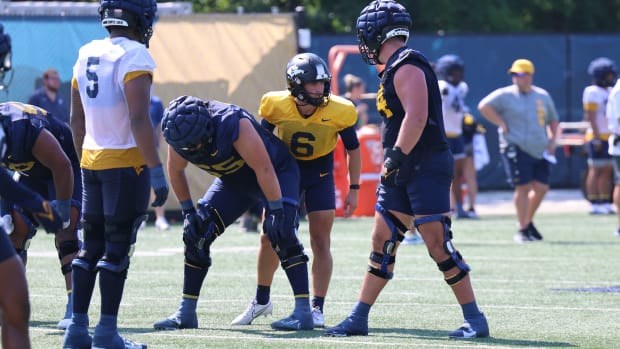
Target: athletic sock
x=318 y=302
x=262 y=294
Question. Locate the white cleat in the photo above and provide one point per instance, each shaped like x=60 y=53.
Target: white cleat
x=318 y=318
x=253 y=311
x=162 y=224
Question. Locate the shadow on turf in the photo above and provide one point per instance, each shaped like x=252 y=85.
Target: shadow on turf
x=404 y=334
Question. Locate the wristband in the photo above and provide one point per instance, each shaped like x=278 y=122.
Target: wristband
x=186 y=204
x=274 y=205
x=354 y=186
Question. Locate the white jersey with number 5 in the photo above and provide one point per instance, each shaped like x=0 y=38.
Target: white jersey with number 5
x=100 y=73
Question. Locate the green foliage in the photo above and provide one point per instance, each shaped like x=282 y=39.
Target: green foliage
x=467 y=16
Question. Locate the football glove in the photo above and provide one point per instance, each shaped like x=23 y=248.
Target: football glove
x=393 y=159
x=160 y=187
x=273 y=226
x=64 y=210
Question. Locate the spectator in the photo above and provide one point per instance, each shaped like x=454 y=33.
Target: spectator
x=48 y=98
x=600 y=163
x=524 y=114
x=355 y=89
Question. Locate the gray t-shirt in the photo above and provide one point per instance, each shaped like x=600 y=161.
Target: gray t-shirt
x=526 y=116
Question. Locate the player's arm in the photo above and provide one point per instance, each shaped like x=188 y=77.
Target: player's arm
x=251 y=148
x=78 y=128
x=138 y=94
x=410 y=85
x=354 y=160
x=493 y=116
x=48 y=152
x=176 y=170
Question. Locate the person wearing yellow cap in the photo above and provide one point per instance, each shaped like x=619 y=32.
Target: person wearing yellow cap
x=525 y=115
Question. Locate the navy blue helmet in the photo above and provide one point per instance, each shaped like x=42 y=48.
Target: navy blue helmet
x=187 y=123
x=448 y=66
x=308 y=67
x=130 y=13
x=603 y=71
x=5 y=50
x=379 y=21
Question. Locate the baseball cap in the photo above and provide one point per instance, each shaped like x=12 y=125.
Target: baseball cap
x=521 y=66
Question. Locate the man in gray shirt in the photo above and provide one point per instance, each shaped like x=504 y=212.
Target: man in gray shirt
x=525 y=115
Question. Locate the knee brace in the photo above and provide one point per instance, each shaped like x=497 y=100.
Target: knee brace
x=455 y=259
x=64 y=249
x=385 y=257
x=93 y=246
x=289 y=249
x=23 y=226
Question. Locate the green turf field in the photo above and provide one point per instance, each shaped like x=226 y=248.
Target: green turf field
x=523 y=289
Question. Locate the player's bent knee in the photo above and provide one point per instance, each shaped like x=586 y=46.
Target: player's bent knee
x=385 y=262
x=114 y=266
x=455 y=260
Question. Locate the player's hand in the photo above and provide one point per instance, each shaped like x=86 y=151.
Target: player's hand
x=46 y=215
x=393 y=159
x=64 y=210
x=192 y=228
x=159 y=184
x=273 y=225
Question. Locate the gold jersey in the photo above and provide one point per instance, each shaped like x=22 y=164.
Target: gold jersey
x=312 y=137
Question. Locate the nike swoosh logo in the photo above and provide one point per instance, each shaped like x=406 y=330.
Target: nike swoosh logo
x=323 y=174
x=325 y=120
x=214 y=153
x=47 y=213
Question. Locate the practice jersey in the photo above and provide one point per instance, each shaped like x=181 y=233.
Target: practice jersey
x=453 y=106
x=100 y=74
x=595 y=100
x=315 y=136
x=220 y=157
x=388 y=104
x=23 y=124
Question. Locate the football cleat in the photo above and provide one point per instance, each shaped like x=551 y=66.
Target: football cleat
x=351 y=326
x=297 y=321
x=253 y=311
x=117 y=342
x=475 y=328
x=318 y=318
x=521 y=236
x=63 y=324
x=533 y=233
x=162 y=224
x=177 y=321
x=76 y=338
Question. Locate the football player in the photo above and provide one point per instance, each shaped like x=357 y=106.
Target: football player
x=114 y=138
x=600 y=164
x=450 y=70
x=250 y=164
x=42 y=156
x=309 y=119
x=14 y=302
x=417 y=171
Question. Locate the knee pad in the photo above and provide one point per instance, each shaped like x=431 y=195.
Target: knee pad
x=211 y=220
x=198 y=257
x=385 y=259
x=115 y=266
x=64 y=249
x=93 y=246
x=23 y=226
x=455 y=259
x=292 y=256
